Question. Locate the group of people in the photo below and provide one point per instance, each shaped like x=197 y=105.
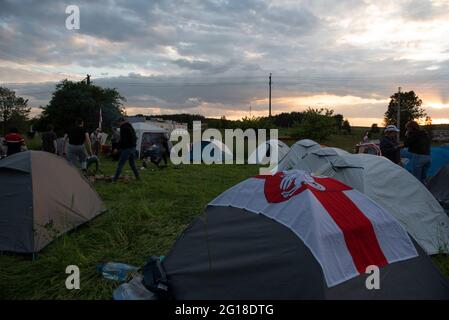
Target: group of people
x=77 y=141
x=418 y=143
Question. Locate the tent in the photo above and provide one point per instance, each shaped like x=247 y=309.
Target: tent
x=262 y=154
x=439 y=186
x=440 y=158
x=399 y=192
x=215 y=151
x=253 y=242
x=297 y=151
x=389 y=185
x=315 y=159
x=147 y=134
x=41 y=197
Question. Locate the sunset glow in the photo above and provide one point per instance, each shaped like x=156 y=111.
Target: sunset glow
x=215 y=59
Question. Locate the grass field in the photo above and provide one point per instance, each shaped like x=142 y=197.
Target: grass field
x=143 y=218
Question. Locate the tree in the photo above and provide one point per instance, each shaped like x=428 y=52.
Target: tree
x=375 y=129
x=410 y=109
x=346 y=127
x=14 y=111
x=339 y=121
x=287 y=120
x=73 y=100
x=428 y=126
x=316 y=124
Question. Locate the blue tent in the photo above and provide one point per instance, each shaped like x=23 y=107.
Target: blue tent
x=440 y=158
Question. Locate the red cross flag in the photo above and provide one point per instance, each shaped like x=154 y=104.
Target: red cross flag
x=345 y=230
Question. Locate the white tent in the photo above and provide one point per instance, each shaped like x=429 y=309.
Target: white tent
x=390 y=185
x=263 y=153
x=314 y=160
x=297 y=152
x=396 y=190
x=210 y=151
x=296 y=157
x=144 y=130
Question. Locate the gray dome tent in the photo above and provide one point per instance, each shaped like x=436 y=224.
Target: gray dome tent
x=41 y=197
x=246 y=246
x=439 y=186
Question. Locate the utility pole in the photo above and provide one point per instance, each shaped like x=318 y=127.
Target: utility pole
x=399 y=114
x=250 y=111
x=269 y=98
x=88 y=79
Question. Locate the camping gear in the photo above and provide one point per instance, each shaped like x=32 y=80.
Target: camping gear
x=286 y=237
x=390 y=186
x=133 y=290
x=41 y=197
x=440 y=158
x=209 y=151
x=368 y=148
x=263 y=153
x=439 y=186
x=147 y=134
x=155 y=277
x=153 y=154
x=93 y=165
x=117 y=271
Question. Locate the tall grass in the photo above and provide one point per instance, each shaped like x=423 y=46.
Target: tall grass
x=143 y=218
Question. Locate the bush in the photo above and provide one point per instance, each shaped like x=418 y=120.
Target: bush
x=316 y=124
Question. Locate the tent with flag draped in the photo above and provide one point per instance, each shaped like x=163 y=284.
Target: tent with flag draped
x=388 y=184
x=293 y=235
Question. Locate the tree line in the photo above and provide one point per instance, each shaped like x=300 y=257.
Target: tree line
x=80 y=100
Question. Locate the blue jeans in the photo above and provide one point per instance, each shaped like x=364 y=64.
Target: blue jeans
x=77 y=153
x=420 y=164
x=125 y=155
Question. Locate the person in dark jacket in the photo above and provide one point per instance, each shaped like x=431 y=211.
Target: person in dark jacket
x=115 y=144
x=418 y=143
x=77 y=138
x=49 y=140
x=389 y=145
x=128 y=140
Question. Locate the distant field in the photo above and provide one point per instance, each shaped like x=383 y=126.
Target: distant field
x=343 y=141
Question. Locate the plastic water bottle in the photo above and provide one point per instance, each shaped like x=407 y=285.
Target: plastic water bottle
x=133 y=290
x=116 y=271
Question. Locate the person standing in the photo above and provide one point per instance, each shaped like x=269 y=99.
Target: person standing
x=418 y=143
x=95 y=138
x=366 y=137
x=115 y=143
x=389 y=146
x=128 y=141
x=77 y=137
x=49 y=140
x=14 y=142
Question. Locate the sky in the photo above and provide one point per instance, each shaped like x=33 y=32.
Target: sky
x=213 y=57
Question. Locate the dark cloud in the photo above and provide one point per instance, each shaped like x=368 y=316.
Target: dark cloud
x=217 y=54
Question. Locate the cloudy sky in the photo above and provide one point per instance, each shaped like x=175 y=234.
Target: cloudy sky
x=213 y=57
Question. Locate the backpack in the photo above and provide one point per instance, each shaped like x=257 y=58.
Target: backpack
x=155 y=278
